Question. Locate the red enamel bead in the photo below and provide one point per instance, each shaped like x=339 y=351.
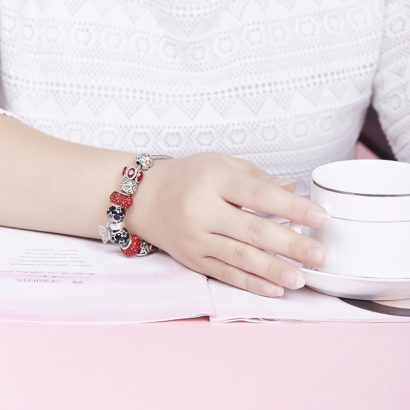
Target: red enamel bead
x=131 y=173
x=134 y=246
x=120 y=199
x=140 y=176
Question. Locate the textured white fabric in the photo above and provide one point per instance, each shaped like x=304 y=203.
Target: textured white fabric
x=283 y=83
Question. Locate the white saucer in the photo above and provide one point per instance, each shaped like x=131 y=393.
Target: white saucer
x=357 y=287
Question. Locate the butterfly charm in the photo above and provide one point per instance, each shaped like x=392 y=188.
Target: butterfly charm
x=105 y=233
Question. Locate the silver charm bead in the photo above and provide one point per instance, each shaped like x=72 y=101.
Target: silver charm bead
x=145 y=248
x=144 y=160
x=105 y=233
x=116 y=226
x=128 y=186
x=114 y=231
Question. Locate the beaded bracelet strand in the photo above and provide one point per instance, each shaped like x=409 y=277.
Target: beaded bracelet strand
x=115 y=231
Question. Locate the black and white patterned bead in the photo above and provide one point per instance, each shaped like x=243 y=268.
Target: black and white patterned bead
x=116 y=213
x=121 y=237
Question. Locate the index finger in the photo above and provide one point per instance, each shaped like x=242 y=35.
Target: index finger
x=260 y=194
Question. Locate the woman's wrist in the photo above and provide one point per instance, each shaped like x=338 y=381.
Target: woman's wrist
x=133 y=203
x=140 y=217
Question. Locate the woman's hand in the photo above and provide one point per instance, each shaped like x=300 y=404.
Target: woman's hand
x=191 y=208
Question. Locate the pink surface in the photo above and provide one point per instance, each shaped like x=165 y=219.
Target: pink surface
x=193 y=364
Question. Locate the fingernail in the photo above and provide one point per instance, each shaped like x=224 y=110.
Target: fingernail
x=317 y=256
x=292 y=280
x=317 y=217
x=272 y=290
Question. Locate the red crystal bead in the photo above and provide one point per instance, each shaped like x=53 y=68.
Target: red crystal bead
x=120 y=199
x=140 y=176
x=134 y=246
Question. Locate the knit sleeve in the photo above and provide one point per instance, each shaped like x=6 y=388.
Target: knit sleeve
x=391 y=92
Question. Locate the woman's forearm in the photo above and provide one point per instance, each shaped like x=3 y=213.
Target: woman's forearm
x=52 y=185
x=189 y=207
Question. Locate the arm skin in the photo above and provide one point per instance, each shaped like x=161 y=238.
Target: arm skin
x=189 y=207
x=52 y=185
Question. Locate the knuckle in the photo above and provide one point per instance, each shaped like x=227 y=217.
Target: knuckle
x=254 y=232
x=268 y=179
x=296 y=246
x=229 y=274
x=226 y=275
x=248 y=283
x=247 y=165
x=203 y=173
x=191 y=261
x=211 y=172
x=301 y=208
x=294 y=208
x=257 y=191
x=212 y=154
x=239 y=254
x=271 y=271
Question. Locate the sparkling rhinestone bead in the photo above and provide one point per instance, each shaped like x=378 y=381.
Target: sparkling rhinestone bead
x=121 y=237
x=121 y=199
x=133 y=246
x=116 y=213
x=129 y=186
x=144 y=160
x=105 y=233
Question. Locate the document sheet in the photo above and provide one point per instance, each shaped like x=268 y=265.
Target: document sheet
x=61 y=278
x=54 y=277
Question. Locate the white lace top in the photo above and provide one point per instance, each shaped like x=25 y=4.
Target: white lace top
x=283 y=83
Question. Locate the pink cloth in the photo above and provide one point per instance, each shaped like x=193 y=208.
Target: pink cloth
x=192 y=364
